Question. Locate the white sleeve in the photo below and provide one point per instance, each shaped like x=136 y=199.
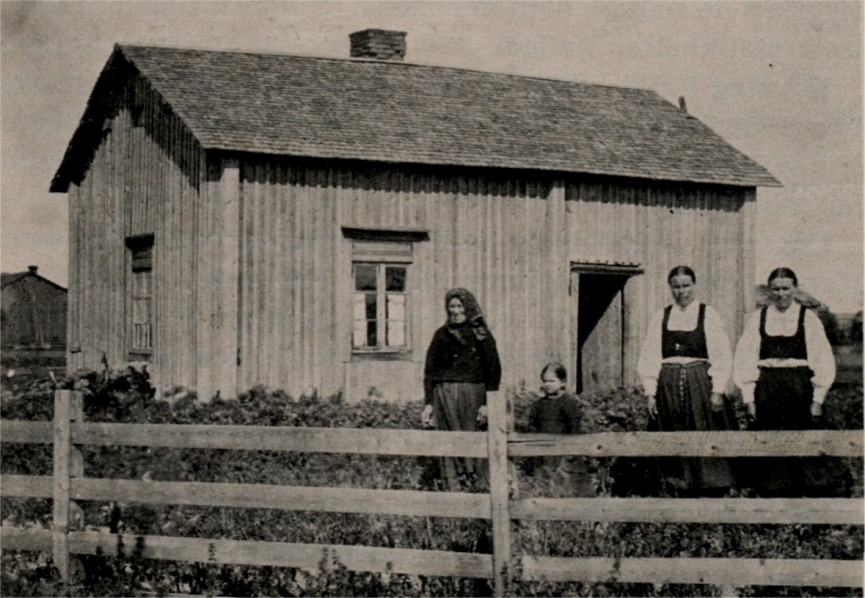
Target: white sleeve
x=820 y=357
x=718 y=346
x=745 y=370
x=649 y=363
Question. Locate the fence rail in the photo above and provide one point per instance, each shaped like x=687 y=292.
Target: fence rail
x=498 y=445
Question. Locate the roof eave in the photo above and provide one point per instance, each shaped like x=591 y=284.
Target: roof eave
x=767 y=180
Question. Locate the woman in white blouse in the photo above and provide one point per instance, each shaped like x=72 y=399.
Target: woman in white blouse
x=684 y=366
x=784 y=365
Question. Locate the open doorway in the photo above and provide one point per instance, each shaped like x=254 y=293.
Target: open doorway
x=598 y=295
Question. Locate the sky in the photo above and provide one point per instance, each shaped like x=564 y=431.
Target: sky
x=780 y=81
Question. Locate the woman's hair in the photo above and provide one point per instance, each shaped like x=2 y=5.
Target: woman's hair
x=783 y=273
x=678 y=270
x=556 y=368
x=470 y=304
x=474 y=315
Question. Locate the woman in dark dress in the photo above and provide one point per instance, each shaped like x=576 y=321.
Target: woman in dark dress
x=685 y=365
x=462 y=364
x=784 y=366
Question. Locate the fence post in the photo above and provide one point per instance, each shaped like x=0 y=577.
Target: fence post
x=68 y=463
x=497 y=449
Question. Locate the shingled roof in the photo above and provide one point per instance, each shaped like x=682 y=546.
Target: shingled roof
x=406 y=113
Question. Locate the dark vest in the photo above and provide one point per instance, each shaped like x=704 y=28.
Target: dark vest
x=783 y=347
x=684 y=343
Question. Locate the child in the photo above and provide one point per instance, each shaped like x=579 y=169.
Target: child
x=559 y=412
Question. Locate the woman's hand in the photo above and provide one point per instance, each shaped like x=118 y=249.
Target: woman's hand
x=482 y=415
x=717 y=401
x=426 y=416
x=652 y=406
x=752 y=411
x=816 y=410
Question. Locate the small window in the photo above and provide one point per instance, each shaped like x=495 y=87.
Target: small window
x=380 y=307
x=141 y=341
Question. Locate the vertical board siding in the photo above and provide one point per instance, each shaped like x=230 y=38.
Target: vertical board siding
x=253 y=274
x=486 y=234
x=657 y=228
x=143 y=179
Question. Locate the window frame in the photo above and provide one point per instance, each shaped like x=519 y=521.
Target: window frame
x=140 y=251
x=381 y=263
x=384 y=247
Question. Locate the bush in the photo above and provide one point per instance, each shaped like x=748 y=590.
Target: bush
x=128 y=397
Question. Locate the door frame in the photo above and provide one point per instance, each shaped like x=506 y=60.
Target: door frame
x=629 y=270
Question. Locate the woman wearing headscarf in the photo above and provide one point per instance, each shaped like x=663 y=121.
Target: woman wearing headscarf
x=462 y=364
x=784 y=366
x=685 y=365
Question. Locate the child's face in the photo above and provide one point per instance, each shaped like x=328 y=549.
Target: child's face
x=550 y=383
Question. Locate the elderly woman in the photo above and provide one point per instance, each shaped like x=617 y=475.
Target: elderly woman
x=462 y=364
x=684 y=366
x=784 y=365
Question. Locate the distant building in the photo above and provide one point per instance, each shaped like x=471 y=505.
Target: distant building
x=241 y=218
x=33 y=311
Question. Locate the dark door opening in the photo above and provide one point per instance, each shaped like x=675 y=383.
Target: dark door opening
x=600 y=329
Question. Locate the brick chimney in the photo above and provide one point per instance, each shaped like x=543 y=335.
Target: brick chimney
x=379 y=44
x=32 y=269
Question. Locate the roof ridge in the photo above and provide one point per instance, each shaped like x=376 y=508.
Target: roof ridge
x=390 y=63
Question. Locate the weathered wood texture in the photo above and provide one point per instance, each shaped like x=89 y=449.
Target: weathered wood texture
x=34 y=313
x=253 y=273
x=145 y=178
x=659 y=226
x=659 y=510
x=834 y=511
x=770 y=443
x=733 y=572
x=282 y=438
x=262 y=554
x=67 y=485
x=497 y=443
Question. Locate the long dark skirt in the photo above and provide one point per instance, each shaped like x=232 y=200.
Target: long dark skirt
x=684 y=404
x=783 y=400
x=455 y=405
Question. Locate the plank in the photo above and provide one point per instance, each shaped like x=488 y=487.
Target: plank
x=26 y=486
x=775 y=443
x=293 y=498
x=735 y=572
x=432 y=443
x=278 y=554
x=835 y=511
x=26 y=432
x=31 y=539
x=497 y=419
x=63 y=413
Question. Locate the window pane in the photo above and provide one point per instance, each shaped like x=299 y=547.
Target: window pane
x=364 y=277
x=358 y=334
x=396 y=306
x=395 y=278
x=370 y=334
x=371 y=310
x=396 y=319
x=395 y=333
x=359 y=307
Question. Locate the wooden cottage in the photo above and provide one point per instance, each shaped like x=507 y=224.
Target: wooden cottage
x=241 y=218
x=33 y=313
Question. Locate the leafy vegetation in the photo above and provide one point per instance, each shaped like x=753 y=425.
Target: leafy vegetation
x=128 y=397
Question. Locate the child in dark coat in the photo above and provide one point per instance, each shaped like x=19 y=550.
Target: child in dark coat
x=559 y=412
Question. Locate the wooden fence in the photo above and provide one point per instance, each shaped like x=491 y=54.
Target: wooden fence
x=498 y=445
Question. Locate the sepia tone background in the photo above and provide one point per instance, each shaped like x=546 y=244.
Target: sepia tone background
x=781 y=82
